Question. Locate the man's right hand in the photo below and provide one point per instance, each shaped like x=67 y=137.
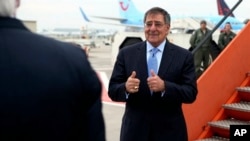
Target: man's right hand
x=132 y=84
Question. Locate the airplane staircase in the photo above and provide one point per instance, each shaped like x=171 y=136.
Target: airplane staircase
x=235 y=112
x=223 y=93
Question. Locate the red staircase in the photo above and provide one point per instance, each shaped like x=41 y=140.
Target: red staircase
x=235 y=112
x=223 y=93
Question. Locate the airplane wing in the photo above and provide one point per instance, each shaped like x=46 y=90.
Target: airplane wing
x=110 y=18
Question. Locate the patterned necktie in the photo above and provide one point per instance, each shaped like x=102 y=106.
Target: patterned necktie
x=152 y=61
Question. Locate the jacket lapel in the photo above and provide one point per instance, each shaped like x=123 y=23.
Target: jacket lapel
x=142 y=61
x=166 y=59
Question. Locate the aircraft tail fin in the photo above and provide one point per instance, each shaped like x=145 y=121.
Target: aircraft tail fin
x=84 y=15
x=223 y=9
x=127 y=9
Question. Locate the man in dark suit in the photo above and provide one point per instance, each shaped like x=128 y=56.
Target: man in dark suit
x=154 y=97
x=48 y=90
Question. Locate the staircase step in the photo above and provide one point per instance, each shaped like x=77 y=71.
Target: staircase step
x=221 y=127
x=214 y=138
x=240 y=111
x=244 y=93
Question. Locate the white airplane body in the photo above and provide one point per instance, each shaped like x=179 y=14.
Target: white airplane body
x=132 y=18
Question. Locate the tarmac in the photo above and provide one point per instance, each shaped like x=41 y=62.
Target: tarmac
x=112 y=117
x=100 y=59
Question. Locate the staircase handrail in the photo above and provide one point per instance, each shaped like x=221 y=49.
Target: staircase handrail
x=215 y=28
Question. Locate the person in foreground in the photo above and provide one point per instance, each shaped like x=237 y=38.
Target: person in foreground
x=48 y=90
x=154 y=84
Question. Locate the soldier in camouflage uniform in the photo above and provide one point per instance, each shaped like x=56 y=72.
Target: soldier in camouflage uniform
x=201 y=56
x=225 y=36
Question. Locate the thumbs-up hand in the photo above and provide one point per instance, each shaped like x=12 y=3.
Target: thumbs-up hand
x=153 y=73
x=132 y=83
x=133 y=74
x=155 y=83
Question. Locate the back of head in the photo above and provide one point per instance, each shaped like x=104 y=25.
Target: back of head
x=8 y=8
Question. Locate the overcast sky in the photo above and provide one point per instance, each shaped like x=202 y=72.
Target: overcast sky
x=66 y=13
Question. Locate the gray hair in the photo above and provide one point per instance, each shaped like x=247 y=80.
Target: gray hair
x=7 y=8
x=158 y=10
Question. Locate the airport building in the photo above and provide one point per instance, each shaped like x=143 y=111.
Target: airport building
x=31 y=25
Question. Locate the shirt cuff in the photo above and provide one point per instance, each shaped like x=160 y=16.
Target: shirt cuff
x=126 y=94
x=162 y=93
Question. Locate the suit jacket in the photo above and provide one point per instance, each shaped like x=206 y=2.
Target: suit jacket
x=152 y=117
x=48 y=90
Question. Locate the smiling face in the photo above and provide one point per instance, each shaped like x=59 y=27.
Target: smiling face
x=156 y=29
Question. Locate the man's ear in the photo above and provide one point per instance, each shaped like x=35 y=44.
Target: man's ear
x=17 y=3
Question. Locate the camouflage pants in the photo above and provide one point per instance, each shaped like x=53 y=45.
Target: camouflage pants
x=201 y=60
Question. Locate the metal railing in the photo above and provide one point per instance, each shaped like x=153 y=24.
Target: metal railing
x=215 y=28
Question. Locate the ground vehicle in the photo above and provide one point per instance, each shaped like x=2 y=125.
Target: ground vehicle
x=122 y=39
x=82 y=43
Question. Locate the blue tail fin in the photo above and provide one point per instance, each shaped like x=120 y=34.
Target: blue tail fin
x=128 y=10
x=84 y=15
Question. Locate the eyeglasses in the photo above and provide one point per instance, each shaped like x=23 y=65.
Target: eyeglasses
x=156 y=24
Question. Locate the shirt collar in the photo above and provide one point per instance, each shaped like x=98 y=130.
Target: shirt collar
x=7 y=22
x=160 y=47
